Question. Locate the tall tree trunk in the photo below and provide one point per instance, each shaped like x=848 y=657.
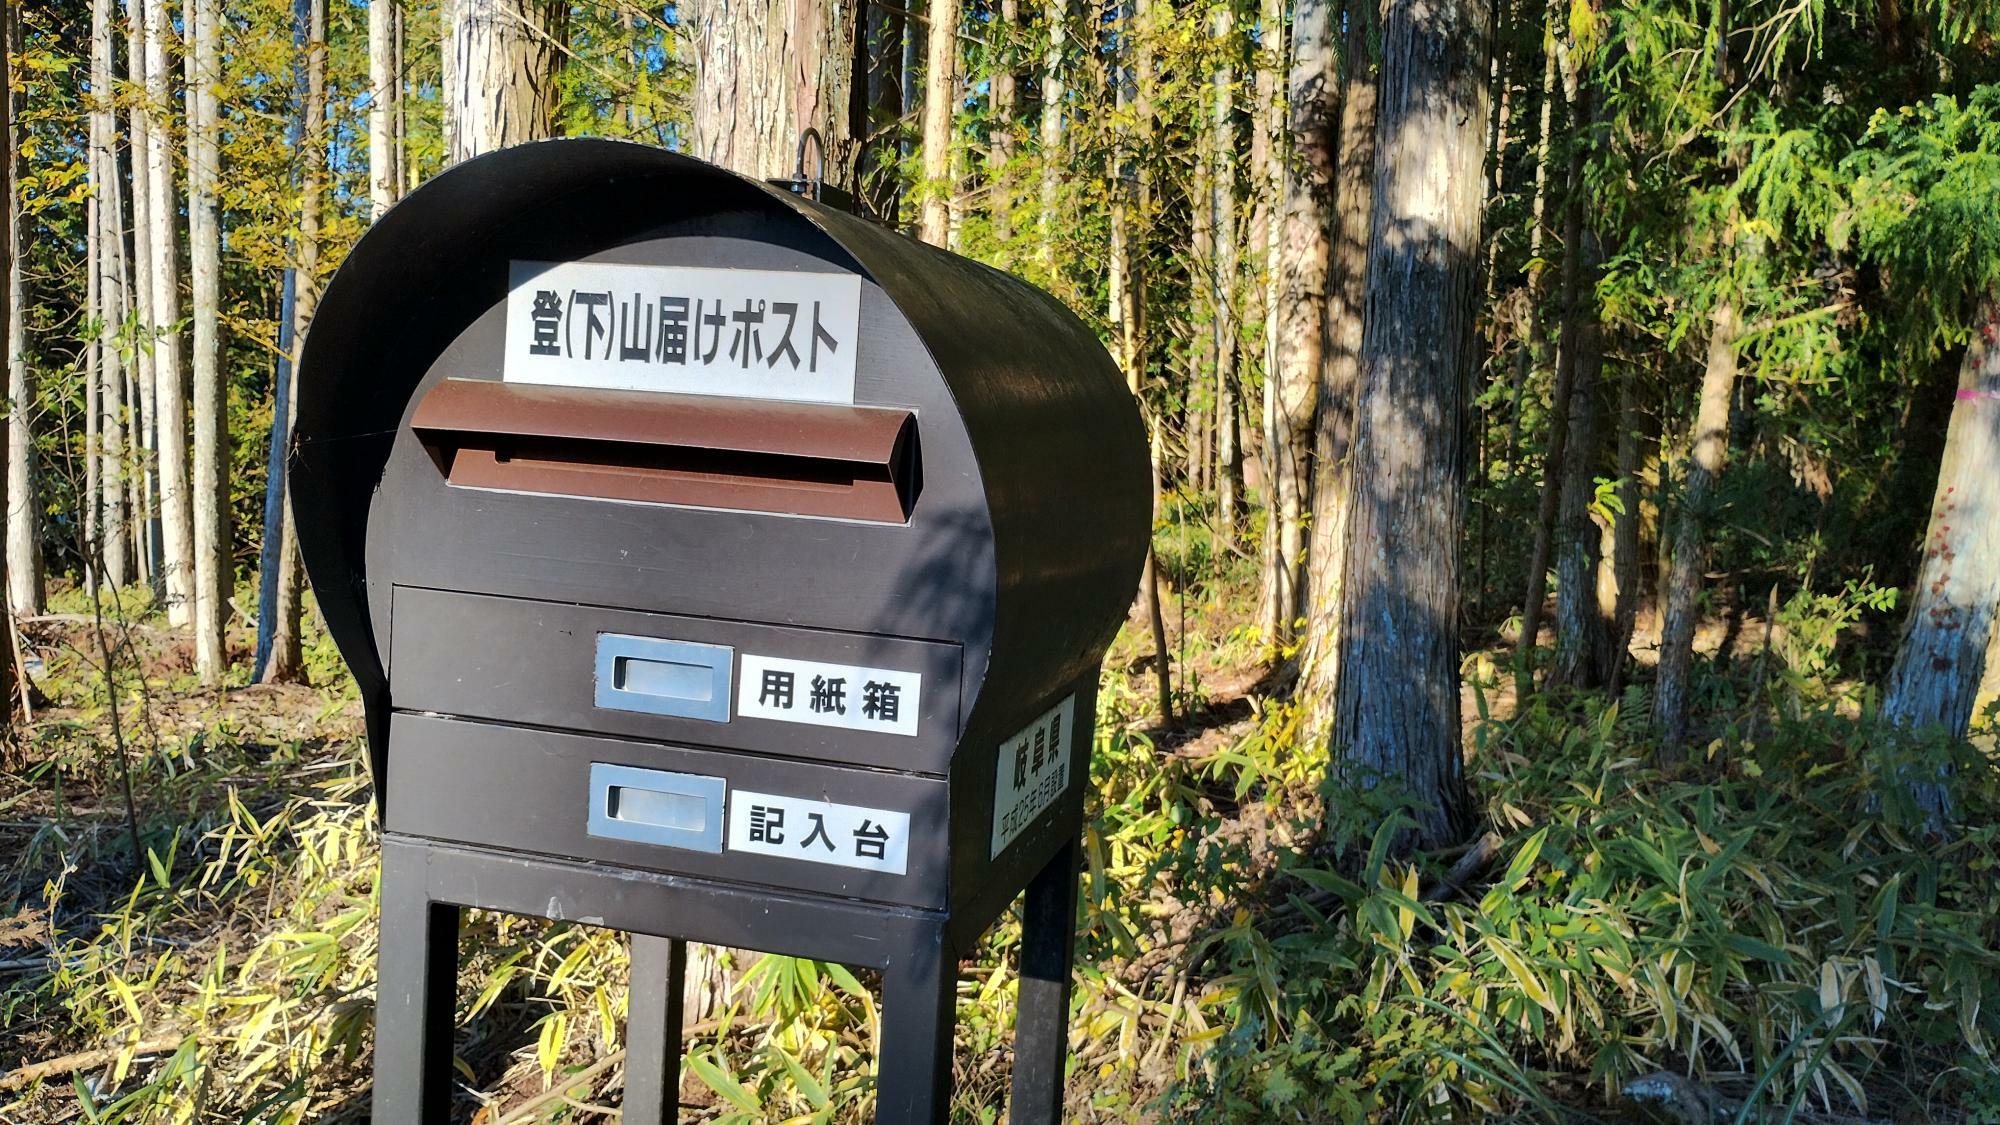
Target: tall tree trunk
x=1583 y=625
x=1625 y=532
x=940 y=104
x=1001 y=143
x=1708 y=453
x=1949 y=634
x=1056 y=17
x=213 y=577
x=385 y=95
x=24 y=532
x=1339 y=368
x=170 y=390
x=285 y=662
x=1565 y=384
x=1298 y=317
x=92 y=500
x=9 y=250
x=146 y=511
x=1397 y=709
x=1222 y=225
x=878 y=177
x=504 y=55
x=765 y=72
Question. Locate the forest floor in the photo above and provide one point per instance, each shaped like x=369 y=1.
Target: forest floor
x=228 y=975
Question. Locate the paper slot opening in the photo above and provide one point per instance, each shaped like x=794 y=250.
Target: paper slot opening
x=808 y=459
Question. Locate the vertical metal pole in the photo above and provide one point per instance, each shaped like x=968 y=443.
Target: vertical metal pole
x=415 y=994
x=1041 y=1028
x=653 y=1031
x=913 y=1062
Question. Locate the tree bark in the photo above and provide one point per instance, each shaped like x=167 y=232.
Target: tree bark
x=384 y=99
x=940 y=102
x=1339 y=368
x=1559 y=405
x=1583 y=626
x=285 y=661
x=1397 y=708
x=170 y=389
x=877 y=174
x=1000 y=141
x=1056 y=16
x=1625 y=532
x=765 y=72
x=10 y=251
x=504 y=55
x=24 y=532
x=1948 y=636
x=1298 y=321
x=146 y=511
x=1222 y=225
x=210 y=487
x=1708 y=454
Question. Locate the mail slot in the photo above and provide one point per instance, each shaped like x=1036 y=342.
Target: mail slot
x=715 y=565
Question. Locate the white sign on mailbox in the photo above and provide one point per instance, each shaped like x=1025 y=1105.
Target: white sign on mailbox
x=819 y=831
x=740 y=333
x=1032 y=772
x=882 y=700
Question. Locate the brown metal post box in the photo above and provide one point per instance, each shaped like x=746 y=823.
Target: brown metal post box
x=715 y=565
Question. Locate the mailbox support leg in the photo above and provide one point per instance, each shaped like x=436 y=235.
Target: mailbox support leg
x=913 y=1061
x=415 y=994
x=1041 y=1026
x=653 y=1031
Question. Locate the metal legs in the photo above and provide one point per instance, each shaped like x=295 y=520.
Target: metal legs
x=416 y=1001
x=913 y=1061
x=653 y=1031
x=1041 y=1028
x=415 y=996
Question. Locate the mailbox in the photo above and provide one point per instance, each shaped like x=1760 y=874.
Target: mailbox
x=715 y=565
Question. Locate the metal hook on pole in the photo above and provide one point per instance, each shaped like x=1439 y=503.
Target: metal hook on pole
x=801 y=185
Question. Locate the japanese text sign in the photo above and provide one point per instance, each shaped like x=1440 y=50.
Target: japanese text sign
x=741 y=333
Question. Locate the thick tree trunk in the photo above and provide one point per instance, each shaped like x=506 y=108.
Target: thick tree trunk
x=878 y=177
x=1948 y=636
x=765 y=72
x=1222 y=225
x=170 y=383
x=940 y=103
x=213 y=577
x=1397 y=709
x=1333 y=428
x=285 y=662
x=385 y=93
x=1708 y=454
x=503 y=56
x=1298 y=321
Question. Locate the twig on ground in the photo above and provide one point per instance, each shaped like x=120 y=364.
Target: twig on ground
x=21 y=1077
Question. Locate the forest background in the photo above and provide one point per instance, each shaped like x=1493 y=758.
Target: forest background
x=1556 y=689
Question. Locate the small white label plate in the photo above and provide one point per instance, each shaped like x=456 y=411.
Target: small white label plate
x=881 y=700
x=739 y=333
x=1032 y=772
x=819 y=831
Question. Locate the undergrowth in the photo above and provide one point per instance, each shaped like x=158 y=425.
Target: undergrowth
x=1761 y=921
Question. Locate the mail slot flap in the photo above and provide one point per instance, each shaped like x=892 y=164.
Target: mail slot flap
x=860 y=435
x=807 y=459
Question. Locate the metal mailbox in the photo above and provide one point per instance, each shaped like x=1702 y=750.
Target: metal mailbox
x=715 y=565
